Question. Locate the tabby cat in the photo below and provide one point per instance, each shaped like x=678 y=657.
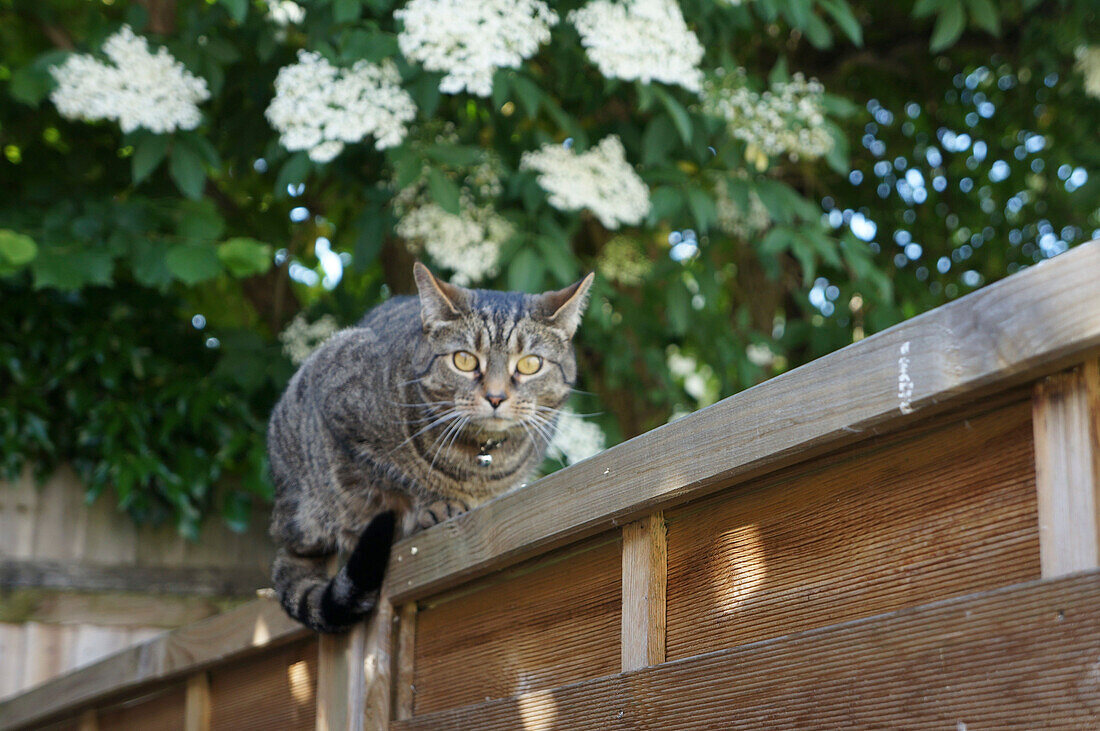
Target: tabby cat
x=430 y=406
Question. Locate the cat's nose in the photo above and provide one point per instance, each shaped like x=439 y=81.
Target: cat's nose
x=495 y=399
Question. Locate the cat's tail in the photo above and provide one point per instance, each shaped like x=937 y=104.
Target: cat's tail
x=334 y=604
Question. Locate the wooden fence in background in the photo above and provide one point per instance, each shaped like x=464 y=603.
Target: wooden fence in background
x=902 y=533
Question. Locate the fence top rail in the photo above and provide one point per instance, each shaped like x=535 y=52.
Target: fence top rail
x=249 y=628
x=1018 y=329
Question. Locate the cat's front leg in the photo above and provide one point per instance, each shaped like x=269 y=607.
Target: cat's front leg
x=438 y=511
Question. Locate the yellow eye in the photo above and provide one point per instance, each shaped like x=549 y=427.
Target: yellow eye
x=529 y=365
x=464 y=361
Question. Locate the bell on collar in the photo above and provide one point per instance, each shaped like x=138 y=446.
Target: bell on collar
x=484 y=460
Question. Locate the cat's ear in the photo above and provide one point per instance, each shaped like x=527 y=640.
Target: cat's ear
x=439 y=301
x=565 y=307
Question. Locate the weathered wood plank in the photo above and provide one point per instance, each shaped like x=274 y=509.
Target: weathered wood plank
x=1020 y=657
x=1066 y=419
x=540 y=625
x=404 y=687
x=645 y=573
x=1020 y=328
x=376 y=687
x=337 y=658
x=249 y=629
x=209 y=580
x=272 y=690
x=892 y=522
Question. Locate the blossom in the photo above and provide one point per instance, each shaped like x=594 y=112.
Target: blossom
x=320 y=108
x=786 y=119
x=575 y=439
x=468 y=242
x=470 y=39
x=600 y=180
x=1088 y=63
x=285 y=12
x=622 y=260
x=646 y=40
x=136 y=88
x=734 y=220
x=301 y=337
x=699 y=381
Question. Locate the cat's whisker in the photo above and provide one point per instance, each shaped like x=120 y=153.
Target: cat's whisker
x=450 y=415
x=454 y=429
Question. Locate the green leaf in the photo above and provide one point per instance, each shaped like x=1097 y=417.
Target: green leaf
x=455 y=155
x=924 y=8
x=295 y=170
x=659 y=138
x=817 y=33
x=16 y=250
x=149 y=152
x=443 y=191
x=841 y=13
x=32 y=83
x=345 y=11
x=245 y=257
x=985 y=15
x=702 y=208
x=193 y=263
x=147 y=263
x=237 y=9
x=526 y=271
x=69 y=269
x=679 y=115
x=665 y=204
x=949 y=26
x=529 y=93
x=199 y=221
x=678 y=307
x=185 y=167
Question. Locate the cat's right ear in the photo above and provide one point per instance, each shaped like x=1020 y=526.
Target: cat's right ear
x=439 y=301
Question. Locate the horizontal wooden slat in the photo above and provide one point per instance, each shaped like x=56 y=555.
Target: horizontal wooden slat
x=247 y=629
x=161 y=710
x=555 y=622
x=880 y=527
x=1021 y=657
x=207 y=580
x=1019 y=328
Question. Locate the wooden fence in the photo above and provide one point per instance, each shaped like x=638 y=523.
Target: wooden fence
x=903 y=533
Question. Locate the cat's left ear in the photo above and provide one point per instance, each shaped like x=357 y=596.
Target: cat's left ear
x=565 y=307
x=439 y=301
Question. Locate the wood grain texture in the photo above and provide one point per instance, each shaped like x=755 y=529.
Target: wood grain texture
x=1067 y=465
x=208 y=580
x=404 y=677
x=540 y=626
x=376 y=686
x=246 y=630
x=645 y=568
x=197 y=707
x=1021 y=657
x=276 y=690
x=1020 y=328
x=337 y=657
x=880 y=527
x=158 y=710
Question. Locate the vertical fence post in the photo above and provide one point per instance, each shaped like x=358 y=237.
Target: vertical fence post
x=353 y=674
x=1066 y=421
x=404 y=691
x=89 y=721
x=196 y=709
x=645 y=569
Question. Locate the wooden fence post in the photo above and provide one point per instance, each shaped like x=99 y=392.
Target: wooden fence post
x=404 y=691
x=645 y=569
x=1066 y=421
x=89 y=721
x=196 y=709
x=353 y=674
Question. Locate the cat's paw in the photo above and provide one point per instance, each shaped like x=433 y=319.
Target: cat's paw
x=439 y=511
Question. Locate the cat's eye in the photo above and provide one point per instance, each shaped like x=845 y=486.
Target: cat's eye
x=529 y=365
x=464 y=361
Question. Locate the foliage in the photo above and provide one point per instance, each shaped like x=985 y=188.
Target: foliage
x=801 y=222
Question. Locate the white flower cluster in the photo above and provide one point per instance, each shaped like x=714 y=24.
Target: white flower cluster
x=320 y=108
x=698 y=380
x=470 y=39
x=734 y=220
x=646 y=40
x=137 y=89
x=467 y=243
x=575 y=439
x=285 y=12
x=1088 y=63
x=600 y=180
x=787 y=119
x=301 y=337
